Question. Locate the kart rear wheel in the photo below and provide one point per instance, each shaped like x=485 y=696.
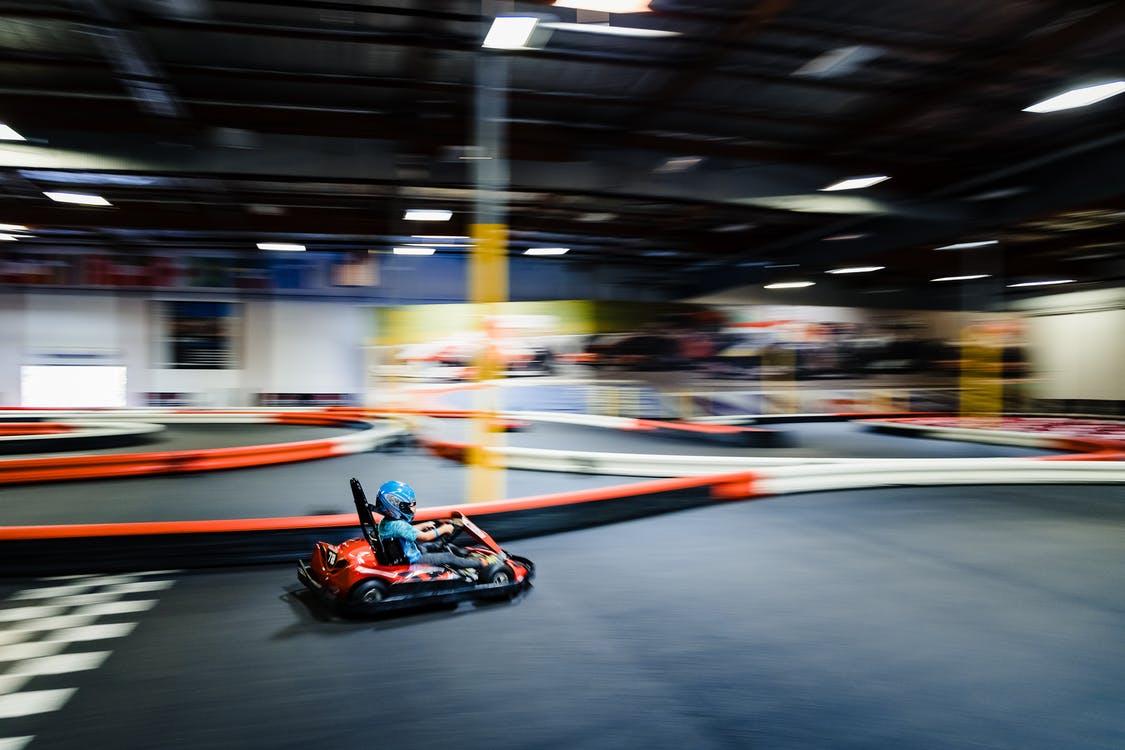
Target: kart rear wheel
x=367 y=592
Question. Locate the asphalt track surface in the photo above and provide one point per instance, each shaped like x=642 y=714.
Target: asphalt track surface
x=315 y=487
x=189 y=437
x=806 y=439
x=297 y=489
x=974 y=617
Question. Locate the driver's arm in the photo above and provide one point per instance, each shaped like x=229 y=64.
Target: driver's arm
x=434 y=533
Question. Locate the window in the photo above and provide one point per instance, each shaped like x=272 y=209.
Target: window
x=199 y=335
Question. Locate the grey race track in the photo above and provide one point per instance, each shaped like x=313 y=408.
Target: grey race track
x=971 y=617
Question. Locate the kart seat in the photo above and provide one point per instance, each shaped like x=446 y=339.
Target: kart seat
x=389 y=551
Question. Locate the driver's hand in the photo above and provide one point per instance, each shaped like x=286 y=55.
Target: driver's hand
x=457 y=522
x=427 y=526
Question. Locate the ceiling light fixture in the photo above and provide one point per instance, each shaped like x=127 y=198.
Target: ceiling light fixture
x=607 y=6
x=510 y=32
x=428 y=214
x=855 y=183
x=970 y=277
x=8 y=238
x=453 y=245
x=678 y=164
x=604 y=28
x=1052 y=282
x=81 y=199
x=282 y=247
x=12 y=228
x=9 y=134
x=790 y=284
x=1079 y=97
x=546 y=251
x=414 y=251
x=841 y=237
x=462 y=237
x=968 y=245
x=857 y=269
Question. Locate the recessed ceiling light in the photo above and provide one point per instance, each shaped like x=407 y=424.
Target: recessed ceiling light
x=838 y=62
x=282 y=247
x=414 y=251
x=790 y=284
x=81 y=199
x=510 y=32
x=841 y=237
x=1052 y=282
x=604 y=28
x=546 y=251
x=1080 y=97
x=607 y=6
x=428 y=214
x=8 y=134
x=678 y=164
x=968 y=245
x=12 y=228
x=856 y=183
x=962 y=278
x=857 y=269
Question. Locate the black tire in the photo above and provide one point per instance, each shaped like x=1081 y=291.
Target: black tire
x=367 y=593
x=499 y=573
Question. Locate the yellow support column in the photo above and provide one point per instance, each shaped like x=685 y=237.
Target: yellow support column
x=488 y=287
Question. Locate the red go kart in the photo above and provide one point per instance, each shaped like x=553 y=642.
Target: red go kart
x=364 y=576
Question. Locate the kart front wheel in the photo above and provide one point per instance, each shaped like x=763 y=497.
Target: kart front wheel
x=500 y=574
x=367 y=592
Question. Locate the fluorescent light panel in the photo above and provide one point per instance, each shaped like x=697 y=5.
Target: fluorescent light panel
x=282 y=247
x=603 y=28
x=428 y=214
x=1052 y=282
x=856 y=183
x=840 y=237
x=1080 y=97
x=970 y=277
x=607 y=6
x=857 y=269
x=414 y=251
x=12 y=228
x=81 y=199
x=8 y=134
x=546 y=251
x=968 y=245
x=510 y=32
x=790 y=284
x=439 y=237
x=8 y=237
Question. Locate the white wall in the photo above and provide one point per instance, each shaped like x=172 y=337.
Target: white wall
x=286 y=346
x=1077 y=344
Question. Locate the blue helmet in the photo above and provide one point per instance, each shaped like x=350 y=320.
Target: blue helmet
x=396 y=500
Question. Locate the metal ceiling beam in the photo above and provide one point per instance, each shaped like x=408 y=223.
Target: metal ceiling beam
x=1002 y=59
x=136 y=68
x=710 y=56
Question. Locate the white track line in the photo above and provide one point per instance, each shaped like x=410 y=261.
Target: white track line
x=14 y=743
x=16 y=614
x=116 y=608
x=140 y=586
x=49 y=592
x=20 y=651
x=91 y=633
x=13 y=683
x=59 y=664
x=33 y=702
x=18 y=631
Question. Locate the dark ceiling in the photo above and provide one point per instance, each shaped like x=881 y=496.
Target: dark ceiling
x=213 y=124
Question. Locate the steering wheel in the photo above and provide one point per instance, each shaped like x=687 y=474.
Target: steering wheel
x=445 y=539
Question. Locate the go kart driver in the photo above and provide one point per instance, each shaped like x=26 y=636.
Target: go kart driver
x=395 y=503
